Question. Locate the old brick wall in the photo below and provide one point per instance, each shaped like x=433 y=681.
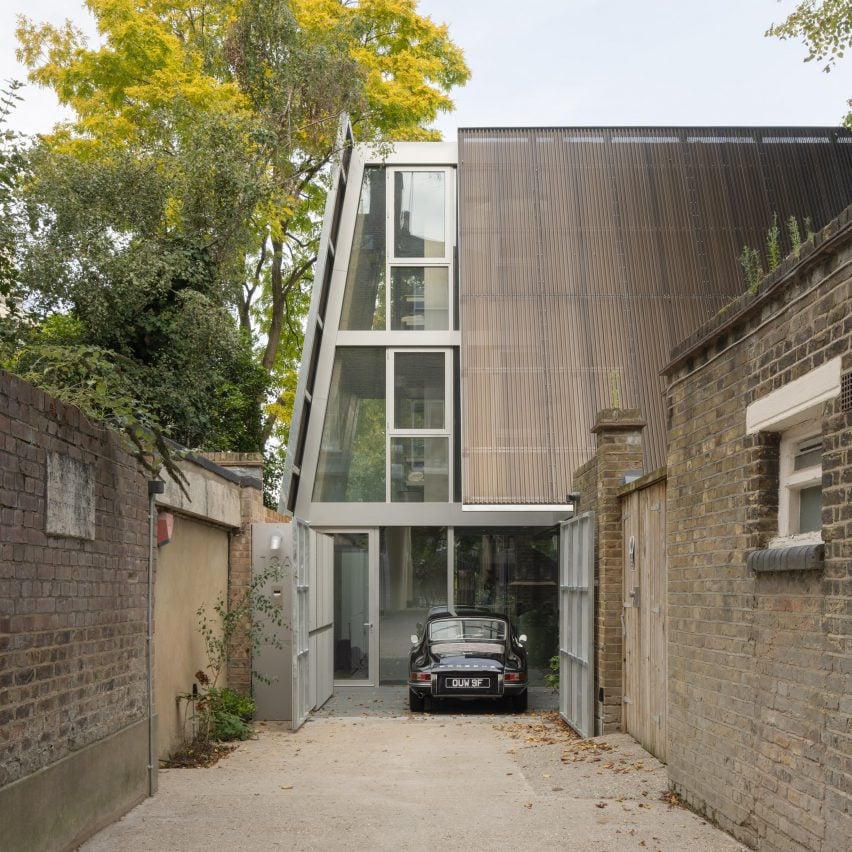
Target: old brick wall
x=72 y=610
x=759 y=664
x=619 y=451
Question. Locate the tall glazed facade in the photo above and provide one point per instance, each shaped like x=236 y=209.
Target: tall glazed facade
x=376 y=449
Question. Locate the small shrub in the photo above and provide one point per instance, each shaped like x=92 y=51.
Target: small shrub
x=753 y=268
x=773 y=244
x=552 y=679
x=795 y=236
x=220 y=714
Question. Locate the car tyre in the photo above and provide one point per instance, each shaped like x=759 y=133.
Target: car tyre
x=520 y=702
x=416 y=703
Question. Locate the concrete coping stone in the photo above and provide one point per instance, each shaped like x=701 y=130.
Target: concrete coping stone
x=802 y=557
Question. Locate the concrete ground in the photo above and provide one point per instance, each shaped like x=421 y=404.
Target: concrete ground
x=366 y=779
x=392 y=701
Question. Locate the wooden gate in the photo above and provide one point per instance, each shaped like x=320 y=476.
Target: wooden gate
x=643 y=514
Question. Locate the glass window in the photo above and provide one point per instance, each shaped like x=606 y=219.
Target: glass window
x=419 y=214
x=420 y=298
x=513 y=571
x=351 y=465
x=413 y=566
x=364 y=297
x=800 y=476
x=419 y=390
x=810 y=509
x=419 y=470
x=455 y=629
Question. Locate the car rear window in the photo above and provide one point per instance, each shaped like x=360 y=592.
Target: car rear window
x=455 y=629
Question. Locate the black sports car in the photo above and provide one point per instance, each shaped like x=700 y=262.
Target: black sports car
x=467 y=653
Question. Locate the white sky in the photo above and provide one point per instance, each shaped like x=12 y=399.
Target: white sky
x=584 y=62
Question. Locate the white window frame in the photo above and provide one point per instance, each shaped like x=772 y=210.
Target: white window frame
x=392 y=432
x=791 y=482
x=446 y=262
x=795 y=410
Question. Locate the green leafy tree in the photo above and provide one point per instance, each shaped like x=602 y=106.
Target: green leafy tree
x=230 y=107
x=12 y=168
x=825 y=28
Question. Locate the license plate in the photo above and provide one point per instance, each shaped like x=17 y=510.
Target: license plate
x=467 y=682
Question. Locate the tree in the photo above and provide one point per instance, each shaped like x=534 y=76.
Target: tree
x=825 y=27
x=232 y=107
x=11 y=168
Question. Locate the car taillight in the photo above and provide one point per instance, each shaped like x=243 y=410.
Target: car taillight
x=423 y=677
x=513 y=677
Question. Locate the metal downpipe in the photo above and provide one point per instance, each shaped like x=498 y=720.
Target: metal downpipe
x=155 y=487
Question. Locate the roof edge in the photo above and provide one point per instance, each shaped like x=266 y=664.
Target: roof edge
x=748 y=304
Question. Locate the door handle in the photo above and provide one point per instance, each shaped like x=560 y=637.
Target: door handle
x=368 y=624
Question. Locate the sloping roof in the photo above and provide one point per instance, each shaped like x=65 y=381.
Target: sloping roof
x=585 y=255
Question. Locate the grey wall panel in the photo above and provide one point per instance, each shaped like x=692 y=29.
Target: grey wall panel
x=586 y=254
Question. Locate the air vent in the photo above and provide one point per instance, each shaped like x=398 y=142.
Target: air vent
x=846 y=392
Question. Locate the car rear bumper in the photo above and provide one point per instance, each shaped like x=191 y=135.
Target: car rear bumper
x=438 y=686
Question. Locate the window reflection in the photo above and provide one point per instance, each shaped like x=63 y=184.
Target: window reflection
x=419 y=214
x=514 y=571
x=420 y=298
x=419 y=390
x=413 y=565
x=420 y=470
x=351 y=466
x=364 y=297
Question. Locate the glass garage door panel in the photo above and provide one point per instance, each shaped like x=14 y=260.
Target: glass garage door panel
x=413 y=577
x=351 y=606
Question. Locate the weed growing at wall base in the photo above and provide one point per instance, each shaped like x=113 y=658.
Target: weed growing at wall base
x=215 y=713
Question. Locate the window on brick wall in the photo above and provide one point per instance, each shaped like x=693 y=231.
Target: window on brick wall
x=800 y=484
x=795 y=411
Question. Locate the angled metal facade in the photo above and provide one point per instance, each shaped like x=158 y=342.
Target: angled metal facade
x=585 y=255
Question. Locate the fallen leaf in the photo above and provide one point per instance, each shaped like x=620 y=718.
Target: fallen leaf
x=286 y=786
x=527 y=804
x=600 y=805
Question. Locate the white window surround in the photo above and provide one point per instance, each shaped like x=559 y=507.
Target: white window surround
x=445 y=262
x=795 y=410
x=393 y=431
x=797 y=401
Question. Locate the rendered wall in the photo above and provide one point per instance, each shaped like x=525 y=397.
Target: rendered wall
x=760 y=671
x=191 y=570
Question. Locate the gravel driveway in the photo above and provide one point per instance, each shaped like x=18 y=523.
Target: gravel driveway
x=410 y=782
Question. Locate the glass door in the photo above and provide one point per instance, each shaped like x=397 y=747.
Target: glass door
x=355 y=607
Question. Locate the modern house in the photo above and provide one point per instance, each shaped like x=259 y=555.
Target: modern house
x=476 y=305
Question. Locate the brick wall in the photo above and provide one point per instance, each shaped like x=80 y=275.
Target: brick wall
x=619 y=451
x=72 y=610
x=759 y=664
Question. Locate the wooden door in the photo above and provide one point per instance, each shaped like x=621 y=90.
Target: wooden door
x=644 y=530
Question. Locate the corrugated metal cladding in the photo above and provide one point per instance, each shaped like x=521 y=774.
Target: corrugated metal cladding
x=585 y=255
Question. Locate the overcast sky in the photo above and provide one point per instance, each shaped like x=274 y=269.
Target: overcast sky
x=585 y=62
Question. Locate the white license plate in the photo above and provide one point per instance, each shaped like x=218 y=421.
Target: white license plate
x=467 y=682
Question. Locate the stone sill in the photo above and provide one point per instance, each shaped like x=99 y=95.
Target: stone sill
x=803 y=557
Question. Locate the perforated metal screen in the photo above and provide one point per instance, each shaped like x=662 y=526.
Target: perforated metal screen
x=586 y=255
